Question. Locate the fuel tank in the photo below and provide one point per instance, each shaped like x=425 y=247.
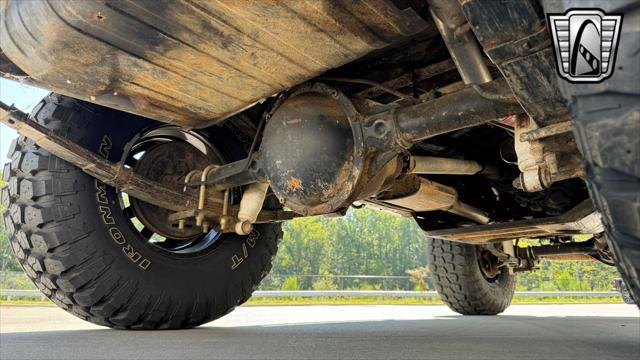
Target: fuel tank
x=191 y=62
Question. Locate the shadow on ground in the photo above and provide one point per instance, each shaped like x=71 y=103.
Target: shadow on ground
x=451 y=337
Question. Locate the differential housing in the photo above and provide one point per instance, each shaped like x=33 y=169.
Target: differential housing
x=312 y=151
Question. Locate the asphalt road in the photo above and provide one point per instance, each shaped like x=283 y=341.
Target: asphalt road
x=337 y=332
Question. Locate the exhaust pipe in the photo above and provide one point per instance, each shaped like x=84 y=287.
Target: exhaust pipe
x=430 y=196
x=426 y=165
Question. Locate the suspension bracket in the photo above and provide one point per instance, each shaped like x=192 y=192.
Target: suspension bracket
x=119 y=176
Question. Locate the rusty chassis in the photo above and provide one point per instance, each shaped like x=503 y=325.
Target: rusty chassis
x=369 y=160
x=401 y=128
x=381 y=142
x=580 y=220
x=115 y=174
x=384 y=136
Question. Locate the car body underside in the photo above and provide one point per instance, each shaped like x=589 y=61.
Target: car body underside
x=449 y=112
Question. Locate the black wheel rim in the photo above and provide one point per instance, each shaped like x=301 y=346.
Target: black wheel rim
x=489 y=264
x=154 y=229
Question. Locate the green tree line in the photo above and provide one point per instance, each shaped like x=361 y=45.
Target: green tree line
x=368 y=242
x=376 y=243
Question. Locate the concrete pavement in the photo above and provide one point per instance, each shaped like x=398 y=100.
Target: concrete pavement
x=330 y=332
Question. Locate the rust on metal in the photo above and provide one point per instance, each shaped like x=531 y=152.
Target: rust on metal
x=408 y=78
x=294 y=184
x=114 y=174
x=193 y=63
x=439 y=165
x=462 y=109
x=431 y=196
x=580 y=220
x=569 y=257
x=294 y=121
x=547 y=131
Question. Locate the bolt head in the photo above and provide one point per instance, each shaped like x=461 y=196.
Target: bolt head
x=244 y=227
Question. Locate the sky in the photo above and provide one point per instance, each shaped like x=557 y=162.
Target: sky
x=24 y=97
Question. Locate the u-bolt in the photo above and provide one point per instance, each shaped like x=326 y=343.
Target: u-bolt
x=187 y=179
x=203 y=191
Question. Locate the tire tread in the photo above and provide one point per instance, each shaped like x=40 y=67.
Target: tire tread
x=458 y=280
x=45 y=230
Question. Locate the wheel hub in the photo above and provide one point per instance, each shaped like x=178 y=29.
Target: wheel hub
x=166 y=163
x=488 y=264
x=166 y=155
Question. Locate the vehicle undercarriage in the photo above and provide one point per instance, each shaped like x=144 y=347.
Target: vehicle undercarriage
x=447 y=112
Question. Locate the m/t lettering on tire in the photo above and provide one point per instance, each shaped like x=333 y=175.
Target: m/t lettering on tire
x=248 y=243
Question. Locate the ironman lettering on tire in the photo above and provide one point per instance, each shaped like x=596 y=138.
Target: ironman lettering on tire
x=103 y=256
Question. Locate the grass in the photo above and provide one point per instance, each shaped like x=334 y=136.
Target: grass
x=419 y=301
x=370 y=300
x=25 y=302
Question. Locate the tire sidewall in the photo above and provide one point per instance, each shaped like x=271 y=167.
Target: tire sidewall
x=457 y=276
x=502 y=287
x=218 y=275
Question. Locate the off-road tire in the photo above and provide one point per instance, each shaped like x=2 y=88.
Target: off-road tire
x=607 y=128
x=457 y=277
x=58 y=233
